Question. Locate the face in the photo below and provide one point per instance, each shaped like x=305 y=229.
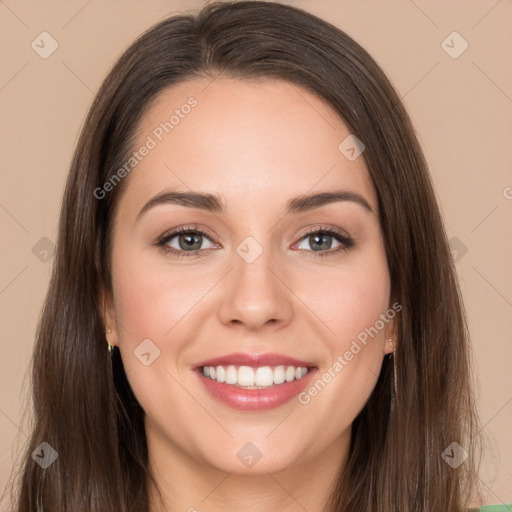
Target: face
x=259 y=284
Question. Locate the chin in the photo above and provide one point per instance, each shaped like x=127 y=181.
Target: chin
x=251 y=462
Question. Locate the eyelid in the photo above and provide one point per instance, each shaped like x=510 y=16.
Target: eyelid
x=313 y=228
x=186 y=228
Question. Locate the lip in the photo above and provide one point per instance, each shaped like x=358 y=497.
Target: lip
x=247 y=359
x=255 y=399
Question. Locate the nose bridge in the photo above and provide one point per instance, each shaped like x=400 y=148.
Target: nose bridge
x=255 y=292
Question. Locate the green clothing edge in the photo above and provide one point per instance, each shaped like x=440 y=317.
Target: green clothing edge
x=496 y=508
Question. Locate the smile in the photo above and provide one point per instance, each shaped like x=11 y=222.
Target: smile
x=254 y=382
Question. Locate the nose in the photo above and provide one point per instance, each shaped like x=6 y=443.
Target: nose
x=256 y=295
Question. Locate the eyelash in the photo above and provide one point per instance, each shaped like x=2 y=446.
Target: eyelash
x=346 y=242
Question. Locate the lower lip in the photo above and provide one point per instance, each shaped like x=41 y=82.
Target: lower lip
x=255 y=399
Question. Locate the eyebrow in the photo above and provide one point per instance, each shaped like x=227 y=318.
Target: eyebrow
x=213 y=202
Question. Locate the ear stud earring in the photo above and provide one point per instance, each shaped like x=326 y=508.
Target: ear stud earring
x=110 y=347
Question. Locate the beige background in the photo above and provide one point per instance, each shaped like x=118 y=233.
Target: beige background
x=462 y=110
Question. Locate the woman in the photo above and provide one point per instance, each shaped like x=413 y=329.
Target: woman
x=310 y=351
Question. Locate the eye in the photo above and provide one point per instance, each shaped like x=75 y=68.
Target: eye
x=320 y=241
x=184 y=241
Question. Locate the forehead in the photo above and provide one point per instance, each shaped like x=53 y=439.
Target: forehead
x=249 y=141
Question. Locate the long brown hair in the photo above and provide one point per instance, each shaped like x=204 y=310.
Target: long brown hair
x=83 y=406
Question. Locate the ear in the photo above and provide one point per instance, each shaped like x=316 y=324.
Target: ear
x=106 y=303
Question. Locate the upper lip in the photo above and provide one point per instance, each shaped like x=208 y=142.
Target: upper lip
x=246 y=359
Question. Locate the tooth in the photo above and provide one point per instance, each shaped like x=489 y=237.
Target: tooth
x=231 y=375
x=300 y=372
x=206 y=371
x=279 y=375
x=213 y=373
x=221 y=374
x=245 y=376
x=290 y=373
x=264 y=376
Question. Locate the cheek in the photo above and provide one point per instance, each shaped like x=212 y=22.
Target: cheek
x=362 y=299
x=152 y=297
x=349 y=299
x=155 y=302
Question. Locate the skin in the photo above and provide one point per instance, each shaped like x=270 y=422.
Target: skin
x=257 y=144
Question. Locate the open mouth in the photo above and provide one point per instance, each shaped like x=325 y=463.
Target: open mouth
x=254 y=382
